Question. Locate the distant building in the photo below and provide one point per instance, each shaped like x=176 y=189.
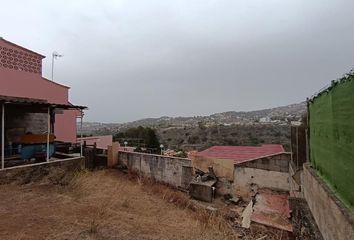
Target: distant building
x=265 y=120
x=243 y=169
x=101 y=142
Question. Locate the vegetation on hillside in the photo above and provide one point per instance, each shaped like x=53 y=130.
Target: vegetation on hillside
x=139 y=137
x=202 y=137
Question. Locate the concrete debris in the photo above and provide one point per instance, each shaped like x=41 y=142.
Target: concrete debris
x=228 y=196
x=203 y=176
x=211 y=208
x=234 y=200
x=231 y=215
x=246 y=215
x=272 y=209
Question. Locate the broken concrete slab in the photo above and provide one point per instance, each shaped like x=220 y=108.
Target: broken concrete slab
x=272 y=209
x=246 y=215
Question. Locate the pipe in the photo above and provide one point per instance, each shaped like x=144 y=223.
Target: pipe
x=3 y=137
x=48 y=134
x=82 y=115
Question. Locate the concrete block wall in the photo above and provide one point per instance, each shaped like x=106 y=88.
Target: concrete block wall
x=164 y=169
x=278 y=163
x=36 y=122
x=248 y=180
x=334 y=220
x=20 y=122
x=270 y=172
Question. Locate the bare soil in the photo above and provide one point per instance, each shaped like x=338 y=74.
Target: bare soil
x=104 y=204
x=109 y=204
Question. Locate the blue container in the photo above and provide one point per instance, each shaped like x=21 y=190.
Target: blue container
x=29 y=151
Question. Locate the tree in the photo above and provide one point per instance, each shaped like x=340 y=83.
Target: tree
x=139 y=137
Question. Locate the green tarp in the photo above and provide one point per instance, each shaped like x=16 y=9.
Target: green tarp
x=332 y=138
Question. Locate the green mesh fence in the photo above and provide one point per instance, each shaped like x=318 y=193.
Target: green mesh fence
x=332 y=138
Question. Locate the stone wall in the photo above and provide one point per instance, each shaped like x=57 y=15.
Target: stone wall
x=334 y=220
x=57 y=172
x=164 y=169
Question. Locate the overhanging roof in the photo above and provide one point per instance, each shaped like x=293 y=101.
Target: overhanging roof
x=36 y=102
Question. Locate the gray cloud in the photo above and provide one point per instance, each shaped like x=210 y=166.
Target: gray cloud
x=133 y=59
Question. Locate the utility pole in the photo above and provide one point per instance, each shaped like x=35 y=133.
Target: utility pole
x=55 y=55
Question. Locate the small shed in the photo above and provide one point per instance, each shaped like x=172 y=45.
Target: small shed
x=27 y=128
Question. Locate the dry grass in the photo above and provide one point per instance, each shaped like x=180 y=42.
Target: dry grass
x=215 y=221
x=211 y=220
x=109 y=204
x=104 y=205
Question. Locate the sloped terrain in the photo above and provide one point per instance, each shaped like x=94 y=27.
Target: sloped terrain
x=204 y=137
x=98 y=205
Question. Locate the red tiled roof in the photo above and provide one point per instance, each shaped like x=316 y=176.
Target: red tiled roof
x=242 y=153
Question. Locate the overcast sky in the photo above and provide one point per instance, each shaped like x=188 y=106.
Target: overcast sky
x=130 y=59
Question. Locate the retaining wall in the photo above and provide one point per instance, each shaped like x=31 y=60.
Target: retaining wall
x=334 y=220
x=169 y=170
x=57 y=172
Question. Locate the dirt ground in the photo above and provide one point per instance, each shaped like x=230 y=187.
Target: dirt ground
x=98 y=205
x=109 y=204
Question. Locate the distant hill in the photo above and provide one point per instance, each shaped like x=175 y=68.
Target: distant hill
x=275 y=116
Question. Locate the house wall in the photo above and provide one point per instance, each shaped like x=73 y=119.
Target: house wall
x=269 y=172
x=277 y=163
x=223 y=168
x=30 y=85
x=65 y=128
x=15 y=57
x=24 y=79
x=164 y=169
x=102 y=142
x=334 y=220
x=246 y=177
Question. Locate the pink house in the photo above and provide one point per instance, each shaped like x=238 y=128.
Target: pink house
x=21 y=76
x=102 y=142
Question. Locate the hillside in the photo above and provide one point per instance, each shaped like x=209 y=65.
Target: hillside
x=190 y=138
x=228 y=128
x=279 y=115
